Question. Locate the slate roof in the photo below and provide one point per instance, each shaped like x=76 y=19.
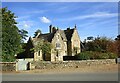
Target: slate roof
x=62 y=33
x=65 y=34
x=47 y=37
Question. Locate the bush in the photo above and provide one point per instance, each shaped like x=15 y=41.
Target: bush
x=103 y=56
x=112 y=55
x=83 y=56
x=107 y=56
x=86 y=55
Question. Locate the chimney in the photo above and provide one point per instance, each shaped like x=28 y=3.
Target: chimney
x=68 y=28
x=75 y=26
x=50 y=29
x=54 y=29
x=37 y=35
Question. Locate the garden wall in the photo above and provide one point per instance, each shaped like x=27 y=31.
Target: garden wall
x=11 y=66
x=7 y=66
x=51 y=65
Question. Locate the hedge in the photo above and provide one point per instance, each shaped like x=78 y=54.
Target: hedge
x=95 y=55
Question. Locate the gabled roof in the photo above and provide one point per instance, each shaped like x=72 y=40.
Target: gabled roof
x=69 y=33
x=62 y=33
x=47 y=37
x=65 y=34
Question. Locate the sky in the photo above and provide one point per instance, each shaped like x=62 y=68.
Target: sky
x=92 y=18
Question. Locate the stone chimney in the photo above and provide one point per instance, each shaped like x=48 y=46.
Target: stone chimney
x=50 y=28
x=68 y=28
x=75 y=26
x=54 y=29
x=37 y=34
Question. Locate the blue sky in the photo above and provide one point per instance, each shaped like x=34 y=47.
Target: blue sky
x=91 y=18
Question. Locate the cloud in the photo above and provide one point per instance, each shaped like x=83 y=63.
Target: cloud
x=37 y=12
x=45 y=20
x=25 y=24
x=94 y=15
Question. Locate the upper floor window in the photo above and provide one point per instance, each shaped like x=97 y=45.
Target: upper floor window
x=38 y=53
x=57 y=45
x=58 y=36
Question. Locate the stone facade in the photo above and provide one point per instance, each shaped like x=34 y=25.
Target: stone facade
x=75 y=43
x=64 y=43
x=59 y=48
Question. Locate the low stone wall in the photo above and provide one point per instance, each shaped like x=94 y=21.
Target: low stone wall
x=69 y=64
x=7 y=66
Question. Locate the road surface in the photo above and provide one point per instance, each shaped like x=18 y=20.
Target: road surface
x=108 y=76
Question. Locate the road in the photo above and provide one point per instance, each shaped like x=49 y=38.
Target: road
x=60 y=77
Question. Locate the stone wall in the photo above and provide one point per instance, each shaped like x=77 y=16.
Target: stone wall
x=69 y=64
x=7 y=66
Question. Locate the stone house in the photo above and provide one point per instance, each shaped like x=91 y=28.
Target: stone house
x=64 y=43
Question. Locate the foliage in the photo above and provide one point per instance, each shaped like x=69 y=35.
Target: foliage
x=44 y=46
x=11 y=38
x=118 y=37
x=100 y=44
x=86 y=55
x=83 y=56
x=118 y=45
x=23 y=33
x=38 y=46
x=100 y=48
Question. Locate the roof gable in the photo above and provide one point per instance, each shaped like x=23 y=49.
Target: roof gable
x=69 y=33
x=65 y=34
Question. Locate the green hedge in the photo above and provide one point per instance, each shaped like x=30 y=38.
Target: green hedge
x=95 y=55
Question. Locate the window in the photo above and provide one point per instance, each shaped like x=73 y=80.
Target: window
x=58 y=36
x=57 y=45
x=38 y=53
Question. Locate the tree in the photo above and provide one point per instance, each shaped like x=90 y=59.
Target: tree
x=36 y=33
x=117 y=42
x=23 y=33
x=118 y=37
x=11 y=38
x=45 y=46
x=100 y=44
x=90 y=38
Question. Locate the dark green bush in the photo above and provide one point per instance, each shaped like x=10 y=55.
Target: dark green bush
x=103 y=56
x=86 y=55
x=83 y=56
x=107 y=56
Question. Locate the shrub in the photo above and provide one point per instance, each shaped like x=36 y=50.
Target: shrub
x=83 y=56
x=107 y=56
x=103 y=56
x=112 y=55
x=95 y=55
